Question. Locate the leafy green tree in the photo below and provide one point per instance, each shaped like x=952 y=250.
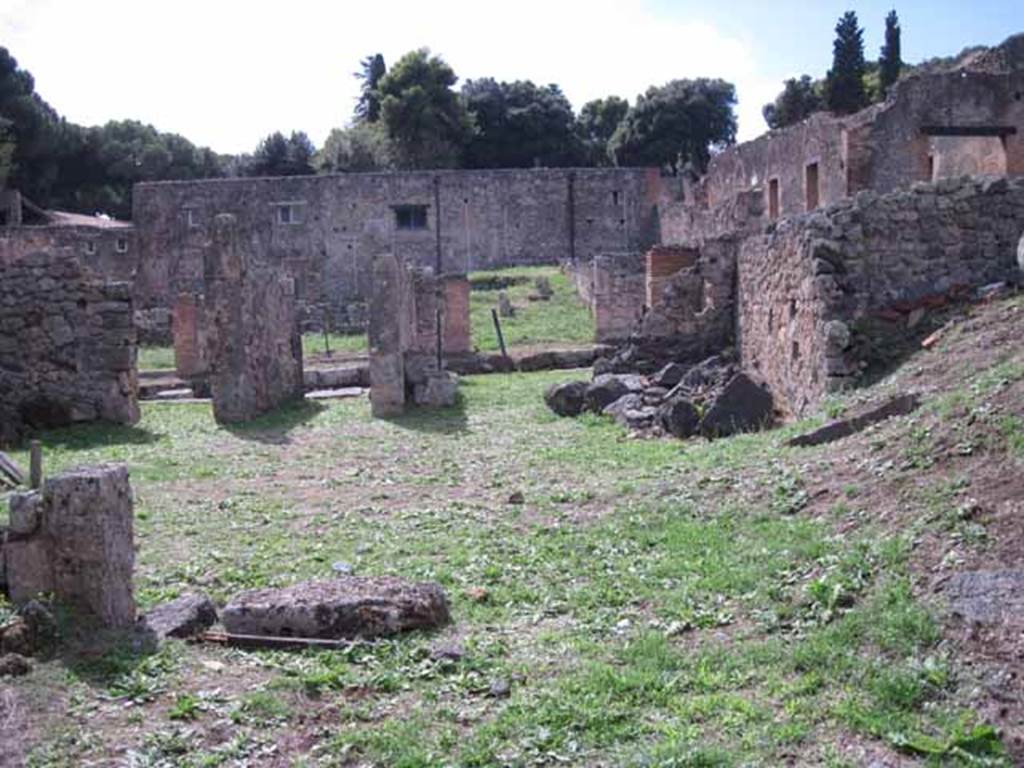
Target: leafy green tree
x=844 y=84
x=800 y=98
x=371 y=70
x=276 y=155
x=596 y=125
x=6 y=151
x=426 y=121
x=677 y=126
x=890 y=63
x=519 y=125
x=360 y=147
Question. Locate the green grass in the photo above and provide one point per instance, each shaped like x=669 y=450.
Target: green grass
x=156 y=358
x=642 y=609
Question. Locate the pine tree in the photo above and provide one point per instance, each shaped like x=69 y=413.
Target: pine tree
x=371 y=70
x=889 y=64
x=844 y=85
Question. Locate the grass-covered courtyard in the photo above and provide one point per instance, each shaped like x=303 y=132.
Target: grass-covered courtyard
x=650 y=602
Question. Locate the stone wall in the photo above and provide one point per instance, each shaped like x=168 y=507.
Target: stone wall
x=325 y=231
x=253 y=344
x=108 y=251
x=67 y=346
x=806 y=288
x=74 y=539
x=619 y=288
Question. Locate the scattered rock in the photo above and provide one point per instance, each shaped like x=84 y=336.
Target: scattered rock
x=14 y=665
x=679 y=417
x=516 y=497
x=30 y=632
x=447 y=652
x=477 y=594
x=669 y=376
x=872 y=414
x=440 y=390
x=987 y=597
x=346 y=607
x=566 y=399
x=185 y=616
x=742 y=406
x=607 y=388
x=631 y=412
x=345 y=569
x=500 y=689
x=505 y=308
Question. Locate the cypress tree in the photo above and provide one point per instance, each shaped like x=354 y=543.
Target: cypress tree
x=844 y=85
x=889 y=64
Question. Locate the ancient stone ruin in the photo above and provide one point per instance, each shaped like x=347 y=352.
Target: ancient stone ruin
x=67 y=346
x=416 y=320
x=253 y=345
x=73 y=539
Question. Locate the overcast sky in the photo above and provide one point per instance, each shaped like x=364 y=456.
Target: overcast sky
x=225 y=73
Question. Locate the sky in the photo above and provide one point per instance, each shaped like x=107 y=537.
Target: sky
x=225 y=73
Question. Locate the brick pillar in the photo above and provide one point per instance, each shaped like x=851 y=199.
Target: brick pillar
x=457 y=336
x=189 y=353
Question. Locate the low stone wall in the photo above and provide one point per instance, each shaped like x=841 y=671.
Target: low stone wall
x=254 y=347
x=619 y=294
x=74 y=539
x=805 y=288
x=67 y=346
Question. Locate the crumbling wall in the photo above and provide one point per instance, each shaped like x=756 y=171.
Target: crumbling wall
x=618 y=294
x=108 y=251
x=67 y=346
x=807 y=288
x=254 y=347
x=74 y=539
x=190 y=328
x=403 y=330
x=325 y=231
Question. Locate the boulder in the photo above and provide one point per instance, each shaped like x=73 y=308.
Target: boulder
x=14 y=665
x=708 y=374
x=679 y=417
x=631 y=412
x=346 y=607
x=741 y=406
x=669 y=376
x=440 y=390
x=609 y=387
x=987 y=597
x=566 y=399
x=185 y=616
x=34 y=629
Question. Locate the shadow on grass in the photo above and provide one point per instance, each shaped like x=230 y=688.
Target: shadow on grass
x=273 y=427
x=441 y=421
x=84 y=437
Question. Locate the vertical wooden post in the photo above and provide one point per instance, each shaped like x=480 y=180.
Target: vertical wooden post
x=497 y=327
x=35 y=470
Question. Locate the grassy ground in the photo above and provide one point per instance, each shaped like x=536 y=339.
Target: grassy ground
x=651 y=602
x=563 y=319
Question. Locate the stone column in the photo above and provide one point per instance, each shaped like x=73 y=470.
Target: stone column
x=388 y=311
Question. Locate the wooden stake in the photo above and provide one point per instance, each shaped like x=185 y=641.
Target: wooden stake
x=35 y=467
x=497 y=327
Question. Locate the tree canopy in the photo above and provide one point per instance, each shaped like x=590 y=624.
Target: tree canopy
x=677 y=125
x=890 y=63
x=279 y=156
x=800 y=98
x=361 y=147
x=371 y=70
x=519 y=125
x=844 y=84
x=425 y=119
x=596 y=125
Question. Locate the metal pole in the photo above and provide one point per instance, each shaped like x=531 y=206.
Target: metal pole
x=497 y=328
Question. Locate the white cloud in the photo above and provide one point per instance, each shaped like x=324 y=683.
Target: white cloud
x=227 y=73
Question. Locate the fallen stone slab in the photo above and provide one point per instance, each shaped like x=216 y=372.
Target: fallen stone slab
x=346 y=607
x=185 y=616
x=609 y=387
x=742 y=406
x=987 y=597
x=899 y=405
x=10 y=473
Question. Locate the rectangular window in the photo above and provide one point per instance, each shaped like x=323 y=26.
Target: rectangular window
x=288 y=213
x=410 y=217
x=773 y=199
x=615 y=197
x=90 y=247
x=811 y=189
x=121 y=246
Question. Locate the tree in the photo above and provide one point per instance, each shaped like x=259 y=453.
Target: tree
x=799 y=99
x=426 y=121
x=890 y=63
x=519 y=125
x=6 y=151
x=279 y=156
x=677 y=126
x=844 y=84
x=361 y=147
x=596 y=125
x=371 y=70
